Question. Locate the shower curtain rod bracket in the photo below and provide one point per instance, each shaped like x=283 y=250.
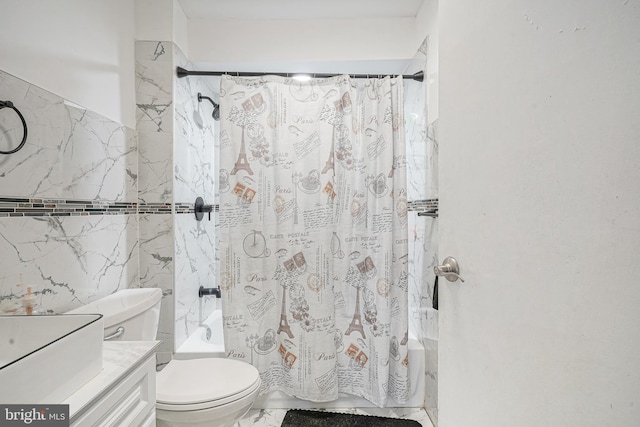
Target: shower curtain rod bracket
x=182 y=72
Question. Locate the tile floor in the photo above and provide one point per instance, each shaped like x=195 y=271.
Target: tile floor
x=274 y=417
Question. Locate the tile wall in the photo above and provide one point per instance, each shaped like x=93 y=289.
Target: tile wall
x=68 y=224
x=422 y=176
x=177 y=145
x=89 y=206
x=154 y=121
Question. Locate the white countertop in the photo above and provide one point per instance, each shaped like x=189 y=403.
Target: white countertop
x=120 y=358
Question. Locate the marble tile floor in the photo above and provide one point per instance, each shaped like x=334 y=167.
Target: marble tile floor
x=274 y=417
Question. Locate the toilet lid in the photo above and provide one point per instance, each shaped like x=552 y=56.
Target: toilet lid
x=196 y=381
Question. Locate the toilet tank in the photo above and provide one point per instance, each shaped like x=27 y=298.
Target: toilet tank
x=136 y=311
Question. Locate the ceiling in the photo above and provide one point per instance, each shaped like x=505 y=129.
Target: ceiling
x=304 y=9
x=299 y=9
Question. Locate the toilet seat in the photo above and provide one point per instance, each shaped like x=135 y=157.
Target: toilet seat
x=196 y=384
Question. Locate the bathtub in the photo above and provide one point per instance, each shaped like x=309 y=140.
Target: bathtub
x=207 y=341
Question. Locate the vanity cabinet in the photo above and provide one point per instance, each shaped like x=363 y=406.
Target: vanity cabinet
x=123 y=394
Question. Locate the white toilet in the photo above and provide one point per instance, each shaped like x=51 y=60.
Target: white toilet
x=195 y=392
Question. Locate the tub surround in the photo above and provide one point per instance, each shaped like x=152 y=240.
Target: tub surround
x=176 y=165
x=193 y=263
x=422 y=175
x=197 y=345
x=195 y=159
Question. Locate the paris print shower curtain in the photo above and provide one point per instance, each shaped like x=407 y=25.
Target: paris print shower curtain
x=313 y=234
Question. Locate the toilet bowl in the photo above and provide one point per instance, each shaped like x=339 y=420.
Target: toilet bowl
x=196 y=392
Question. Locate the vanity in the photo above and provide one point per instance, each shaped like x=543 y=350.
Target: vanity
x=123 y=393
x=62 y=359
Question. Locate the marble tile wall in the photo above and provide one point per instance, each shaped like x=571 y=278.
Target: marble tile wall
x=154 y=121
x=157 y=271
x=195 y=267
x=68 y=227
x=176 y=163
x=422 y=175
x=71 y=152
x=195 y=135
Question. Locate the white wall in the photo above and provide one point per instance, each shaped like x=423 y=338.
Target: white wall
x=161 y=20
x=539 y=202
x=180 y=27
x=81 y=50
x=301 y=40
x=427 y=26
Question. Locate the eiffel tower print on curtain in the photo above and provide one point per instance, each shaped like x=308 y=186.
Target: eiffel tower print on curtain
x=242 y=163
x=284 y=323
x=356 y=322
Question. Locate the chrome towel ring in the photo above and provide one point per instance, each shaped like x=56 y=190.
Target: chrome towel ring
x=9 y=104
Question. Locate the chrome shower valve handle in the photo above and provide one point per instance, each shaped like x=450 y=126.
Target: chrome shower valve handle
x=449 y=269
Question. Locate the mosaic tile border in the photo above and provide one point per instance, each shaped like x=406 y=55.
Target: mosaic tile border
x=187 y=208
x=155 y=208
x=20 y=207
x=425 y=205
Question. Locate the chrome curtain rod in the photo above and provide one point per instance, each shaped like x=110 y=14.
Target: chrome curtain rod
x=181 y=72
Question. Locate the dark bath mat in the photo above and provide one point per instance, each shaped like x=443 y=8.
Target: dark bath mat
x=300 y=418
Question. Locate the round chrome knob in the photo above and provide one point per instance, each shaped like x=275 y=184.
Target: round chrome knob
x=449 y=269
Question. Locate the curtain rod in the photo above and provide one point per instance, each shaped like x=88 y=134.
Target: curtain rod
x=181 y=72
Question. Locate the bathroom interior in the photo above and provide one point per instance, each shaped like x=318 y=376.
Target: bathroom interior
x=102 y=196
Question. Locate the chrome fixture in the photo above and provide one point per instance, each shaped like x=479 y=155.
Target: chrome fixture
x=449 y=269
x=116 y=334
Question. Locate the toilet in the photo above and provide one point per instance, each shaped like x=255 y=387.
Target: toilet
x=195 y=392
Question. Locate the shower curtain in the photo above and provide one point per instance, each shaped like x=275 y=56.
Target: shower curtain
x=312 y=233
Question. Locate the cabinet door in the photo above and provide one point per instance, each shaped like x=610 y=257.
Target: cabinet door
x=131 y=402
